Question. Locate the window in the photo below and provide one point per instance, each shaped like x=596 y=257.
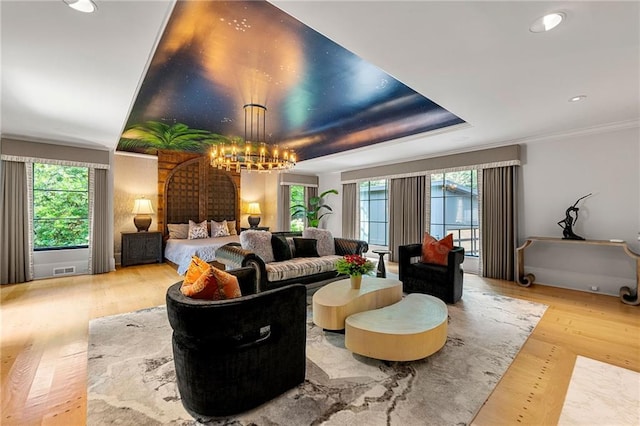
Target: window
x=60 y=206
x=454 y=208
x=296 y=197
x=374 y=212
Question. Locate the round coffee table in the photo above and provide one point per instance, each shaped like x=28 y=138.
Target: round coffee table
x=334 y=302
x=411 y=329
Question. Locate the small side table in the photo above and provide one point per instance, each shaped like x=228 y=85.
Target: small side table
x=381 y=272
x=257 y=228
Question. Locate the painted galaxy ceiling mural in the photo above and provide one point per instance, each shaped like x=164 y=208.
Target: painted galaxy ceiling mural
x=215 y=57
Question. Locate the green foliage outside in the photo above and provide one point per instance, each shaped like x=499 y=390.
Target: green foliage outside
x=60 y=206
x=296 y=196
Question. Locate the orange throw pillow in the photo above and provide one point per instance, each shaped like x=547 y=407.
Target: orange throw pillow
x=202 y=281
x=434 y=251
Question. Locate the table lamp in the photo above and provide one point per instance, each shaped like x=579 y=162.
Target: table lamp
x=253 y=210
x=143 y=211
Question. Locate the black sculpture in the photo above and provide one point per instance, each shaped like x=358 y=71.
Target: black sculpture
x=567 y=223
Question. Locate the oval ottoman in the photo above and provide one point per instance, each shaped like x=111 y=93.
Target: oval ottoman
x=410 y=329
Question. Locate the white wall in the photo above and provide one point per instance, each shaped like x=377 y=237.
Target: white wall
x=554 y=174
x=134 y=176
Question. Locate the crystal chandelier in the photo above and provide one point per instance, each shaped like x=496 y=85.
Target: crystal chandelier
x=255 y=154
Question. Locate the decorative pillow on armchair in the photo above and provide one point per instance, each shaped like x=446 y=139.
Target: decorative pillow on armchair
x=434 y=251
x=219 y=229
x=202 y=281
x=258 y=242
x=198 y=230
x=326 y=245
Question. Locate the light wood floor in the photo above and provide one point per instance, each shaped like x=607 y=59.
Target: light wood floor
x=44 y=328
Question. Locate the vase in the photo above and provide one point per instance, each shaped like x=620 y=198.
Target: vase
x=356 y=280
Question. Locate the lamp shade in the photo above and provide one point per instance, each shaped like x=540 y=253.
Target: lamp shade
x=142 y=206
x=254 y=208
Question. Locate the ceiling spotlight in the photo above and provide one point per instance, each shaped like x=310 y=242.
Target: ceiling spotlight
x=86 y=6
x=547 y=22
x=578 y=98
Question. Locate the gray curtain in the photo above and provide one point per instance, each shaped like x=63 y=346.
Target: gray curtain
x=14 y=224
x=284 y=208
x=350 y=213
x=100 y=247
x=499 y=222
x=407 y=216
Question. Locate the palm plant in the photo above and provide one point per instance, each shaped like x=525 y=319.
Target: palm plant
x=154 y=135
x=316 y=209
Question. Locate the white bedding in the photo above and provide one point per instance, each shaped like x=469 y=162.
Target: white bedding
x=180 y=251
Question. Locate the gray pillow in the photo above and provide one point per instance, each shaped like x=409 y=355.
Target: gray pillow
x=178 y=231
x=258 y=242
x=326 y=246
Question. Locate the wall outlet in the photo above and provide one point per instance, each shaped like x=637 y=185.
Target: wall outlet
x=595 y=288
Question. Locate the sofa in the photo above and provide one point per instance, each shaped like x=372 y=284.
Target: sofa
x=281 y=259
x=225 y=366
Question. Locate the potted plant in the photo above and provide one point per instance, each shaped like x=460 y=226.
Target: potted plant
x=355 y=266
x=316 y=209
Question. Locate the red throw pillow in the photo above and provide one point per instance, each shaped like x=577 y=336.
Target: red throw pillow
x=202 y=281
x=434 y=251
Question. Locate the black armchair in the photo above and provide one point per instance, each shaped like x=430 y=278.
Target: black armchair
x=444 y=282
x=233 y=355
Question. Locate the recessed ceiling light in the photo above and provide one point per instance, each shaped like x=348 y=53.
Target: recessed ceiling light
x=578 y=98
x=547 y=22
x=86 y=6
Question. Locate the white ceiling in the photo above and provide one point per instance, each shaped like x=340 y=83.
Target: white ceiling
x=71 y=78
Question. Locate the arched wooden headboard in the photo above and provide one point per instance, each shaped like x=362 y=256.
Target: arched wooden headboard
x=193 y=190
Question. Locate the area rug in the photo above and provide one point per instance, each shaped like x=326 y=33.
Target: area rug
x=131 y=378
x=601 y=394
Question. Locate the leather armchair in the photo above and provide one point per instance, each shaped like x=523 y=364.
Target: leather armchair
x=233 y=355
x=444 y=282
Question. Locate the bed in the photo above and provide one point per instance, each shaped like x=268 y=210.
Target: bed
x=190 y=189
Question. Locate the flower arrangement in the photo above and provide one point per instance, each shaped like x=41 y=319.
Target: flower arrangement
x=353 y=264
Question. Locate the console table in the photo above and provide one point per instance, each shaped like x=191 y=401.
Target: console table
x=627 y=295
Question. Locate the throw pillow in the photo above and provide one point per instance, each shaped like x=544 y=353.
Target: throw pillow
x=434 y=251
x=258 y=242
x=178 y=231
x=219 y=229
x=326 y=245
x=281 y=250
x=203 y=281
x=198 y=230
x=231 y=224
x=306 y=247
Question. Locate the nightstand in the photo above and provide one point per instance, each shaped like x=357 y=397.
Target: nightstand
x=257 y=228
x=141 y=247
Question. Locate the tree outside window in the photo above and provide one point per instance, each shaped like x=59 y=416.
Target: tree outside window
x=60 y=206
x=454 y=208
x=297 y=196
x=374 y=208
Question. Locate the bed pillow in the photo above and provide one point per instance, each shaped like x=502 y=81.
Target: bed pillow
x=202 y=281
x=178 y=231
x=280 y=246
x=231 y=225
x=306 y=247
x=258 y=242
x=326 y=245
x=219 y=229
x=434 y=251
x=198 y=230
